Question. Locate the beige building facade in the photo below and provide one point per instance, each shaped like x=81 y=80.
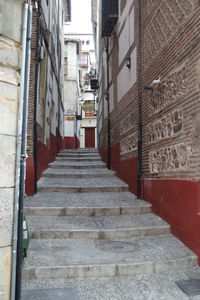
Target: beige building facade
x=18 y=36
x=10 y=72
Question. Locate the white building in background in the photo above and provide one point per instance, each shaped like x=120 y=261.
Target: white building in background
x=71 y=92
x=79 y=99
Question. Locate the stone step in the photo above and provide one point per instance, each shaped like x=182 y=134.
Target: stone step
x=81 y=189
x=85 y=204
x=70 y=258
x=138 y=287
x=81 y=185
x=78 y=155
x=76 y=165
x=74 y=173
x=78 y=159
x=109 y=227
x=82 y=150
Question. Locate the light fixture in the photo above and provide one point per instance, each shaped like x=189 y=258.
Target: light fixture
x=128 y=62
x=152 y=84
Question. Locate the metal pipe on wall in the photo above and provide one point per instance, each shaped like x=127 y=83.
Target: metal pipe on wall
x=26 y=65
x=108 y=103
x=37 y=54
x=139 y=68
x=18 y=155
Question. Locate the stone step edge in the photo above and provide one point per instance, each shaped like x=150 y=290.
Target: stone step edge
x=79 y=156
x=100 y=234
x=87 y=211
x=108 y=270
x=85 y=159
x=79 y=152
x=86 y=175
x=54 y=166
x=79 y=189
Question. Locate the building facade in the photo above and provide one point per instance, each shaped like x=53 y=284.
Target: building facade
x=80 y=100
x=87 y=66
x=46 y=108
x=10 y=72
x=150 y=77
x=31 y=114
x=71 y=92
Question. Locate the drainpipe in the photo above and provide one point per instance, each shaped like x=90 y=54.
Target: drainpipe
x=35 y=155
x=108 y=102
x=21 y=156
x=139 y=68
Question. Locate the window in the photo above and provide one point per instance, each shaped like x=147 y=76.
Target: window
x=65 y=66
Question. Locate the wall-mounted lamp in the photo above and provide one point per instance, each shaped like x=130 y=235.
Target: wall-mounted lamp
x=152 y=84
x=128 y=62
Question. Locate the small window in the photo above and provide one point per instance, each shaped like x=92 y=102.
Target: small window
x=65 y=66
x=87 y=42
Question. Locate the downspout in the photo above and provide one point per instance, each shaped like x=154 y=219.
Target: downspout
x=35 y=154
x=21 y=156
x=108 y=102
x=18 y=154
x=59 y=70
x=139 y=68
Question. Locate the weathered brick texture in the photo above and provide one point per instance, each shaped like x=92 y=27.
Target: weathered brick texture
x=171 y=111
x=31 y=88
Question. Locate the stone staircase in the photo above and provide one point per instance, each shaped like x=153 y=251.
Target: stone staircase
x=84 y=223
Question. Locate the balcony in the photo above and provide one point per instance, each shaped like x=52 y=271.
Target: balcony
x=109 y=16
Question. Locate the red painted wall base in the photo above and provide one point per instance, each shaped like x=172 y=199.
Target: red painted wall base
x=72 y=142
x=126 y=169
x=175 y=200
x=45 y=156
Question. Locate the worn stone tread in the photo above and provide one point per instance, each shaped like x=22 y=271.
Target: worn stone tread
x=61 y=154
x=96 y=227
x=78 y=159
x=77 y=165
x=81 y=185
x=82 y=182
x=138 y=287
x=75 y=173
x=84 y=200
x=85 y=204
x=93 y=223
x=82 y=150
x=59 y=258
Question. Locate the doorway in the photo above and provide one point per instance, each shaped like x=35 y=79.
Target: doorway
x=90 y=137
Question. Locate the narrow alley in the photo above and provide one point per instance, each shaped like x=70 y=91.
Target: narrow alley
x=100 y=149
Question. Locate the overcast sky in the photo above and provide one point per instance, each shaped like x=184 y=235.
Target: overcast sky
x=81 y=17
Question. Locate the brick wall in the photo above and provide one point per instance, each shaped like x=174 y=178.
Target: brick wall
x=171 y=112
x=48 y=98
x=31 y=87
